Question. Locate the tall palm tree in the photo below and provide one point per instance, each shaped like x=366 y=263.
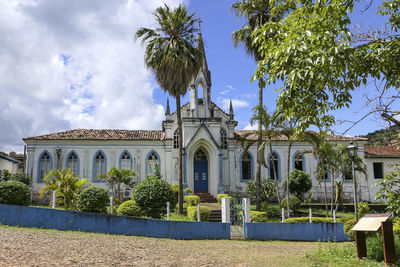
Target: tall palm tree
x=256 y=13
x=115 y=178
x=171 y=54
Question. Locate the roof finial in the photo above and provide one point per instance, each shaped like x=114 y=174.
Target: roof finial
x=230 y=110
x=167 y=111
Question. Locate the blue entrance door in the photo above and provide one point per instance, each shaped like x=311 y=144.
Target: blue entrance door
x=201 y=175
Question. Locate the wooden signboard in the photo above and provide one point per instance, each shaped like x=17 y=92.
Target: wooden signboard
x=371 y=222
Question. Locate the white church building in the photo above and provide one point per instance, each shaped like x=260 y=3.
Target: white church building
x=213 y=159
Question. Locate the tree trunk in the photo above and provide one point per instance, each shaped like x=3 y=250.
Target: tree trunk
x=275 y=174
x=288 y=180
x=179 y=119
x=333 y=192
x=326 y=198
x=259 y=141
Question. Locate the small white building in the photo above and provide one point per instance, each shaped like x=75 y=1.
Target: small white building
x=213 y=159
x=9 y=163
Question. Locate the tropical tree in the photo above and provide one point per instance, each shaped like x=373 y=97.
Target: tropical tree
x=115 y=178
x=171 y=54
x=66 y=184
x=256 y=13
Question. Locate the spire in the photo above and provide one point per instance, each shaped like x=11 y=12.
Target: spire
x=230 y=110
x=204 y=65
x=167 y=111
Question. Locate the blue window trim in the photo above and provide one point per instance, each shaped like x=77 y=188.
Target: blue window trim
x=329 y=174
x=130 y=156
x=77 y=156
x=279 y=164
x=38 y=178
x=159 y=160
x=303 y=158
x=94 y=180
x=252 y=168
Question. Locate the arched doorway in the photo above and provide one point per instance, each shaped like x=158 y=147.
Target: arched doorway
x=200 y=170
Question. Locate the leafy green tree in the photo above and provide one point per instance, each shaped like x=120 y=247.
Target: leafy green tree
x=321 y=61
x=171 y=54
x=268 y=189
x=66 y=184
x=115 y=178
x=256 y=13
x=390 y=190
x=299 y=183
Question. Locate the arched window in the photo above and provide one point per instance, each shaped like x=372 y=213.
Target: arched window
x=224 y=144
x=45 y=163
x=200 y=155
x=125 y=161
x=99 y=166
x=273 y=164
x=152 y=159
x=246 y=166
x=299 y=161
x=176 y=139
x=73 y=162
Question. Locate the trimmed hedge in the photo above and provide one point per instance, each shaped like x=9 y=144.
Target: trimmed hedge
x=192 y=200
x=204 y=213
x=129 y=208
x=221 y=196
x=93 y=199
x=347 y=228
x=293 y=201
x=314 y=219
x=15 y=193
x=258 y=216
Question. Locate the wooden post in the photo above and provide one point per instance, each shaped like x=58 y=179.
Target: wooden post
x=388 y=243
x=361 y=245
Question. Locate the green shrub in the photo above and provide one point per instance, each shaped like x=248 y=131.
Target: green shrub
x=347 y=228
x=14 y=193
x=152 y=195
x=221 y=196
x=204 y=213
x=175 y=190
x=258 y=216
x=187 y=191
x=314 y=219
x=375 y=248
x=129 y=208
x=93 y=199
x=363 y=208
x=294 y=203
x=300 y=183
x=192 y=200
x=268 y=189
x=396 y=226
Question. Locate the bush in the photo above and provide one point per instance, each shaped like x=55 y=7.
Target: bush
x=129 y=208
x=204 y=213
x=300 y=183
x=258 y=216
x=14 y=193
x=363 y=208
x=6 y=175
x=152 y=195
x=93 y=199
x=396 y=226
x=175 y=190
x=314 y=219
x=187 y=191
x=192 y=200
x=375 y=248
x=347 y=228
x=221 y=196
x=294 y=203
x=268 y=189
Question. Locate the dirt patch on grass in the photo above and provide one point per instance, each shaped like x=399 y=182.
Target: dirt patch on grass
x=38 y=247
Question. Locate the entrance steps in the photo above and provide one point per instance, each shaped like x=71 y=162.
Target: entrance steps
x=205 y=197
x=215 y=216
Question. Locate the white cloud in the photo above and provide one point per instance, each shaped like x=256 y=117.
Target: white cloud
x=250 y=126
x=69 y=64
x=236 y=103
x=230 y=87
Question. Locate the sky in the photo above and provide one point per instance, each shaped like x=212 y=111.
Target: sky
x=74 y=64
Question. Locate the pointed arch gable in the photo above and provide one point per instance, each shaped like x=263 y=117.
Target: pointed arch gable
x=279 y=164
x=39 y=177
x=104 y=169
x=251 y=166
x=130 y=157
x=147 y=158
x=202 y=125
x=67 y=161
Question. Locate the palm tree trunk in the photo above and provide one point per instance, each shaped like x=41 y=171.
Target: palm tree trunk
x=326 y=198
x=259 y=141
x=179 y=119
x=333 y=192
x=288 y=180
x=275 y=175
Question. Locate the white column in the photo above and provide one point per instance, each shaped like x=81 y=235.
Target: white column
x=54 y=199
x=168 y=211
x=246 y=210
x=226 y=210
x=111 y=205
x=310 y=212
x=198 y=213
x=283 y=215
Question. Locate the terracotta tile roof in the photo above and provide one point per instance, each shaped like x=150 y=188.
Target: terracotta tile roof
x=382 y=151
x=331 y=137
x=103 y=134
